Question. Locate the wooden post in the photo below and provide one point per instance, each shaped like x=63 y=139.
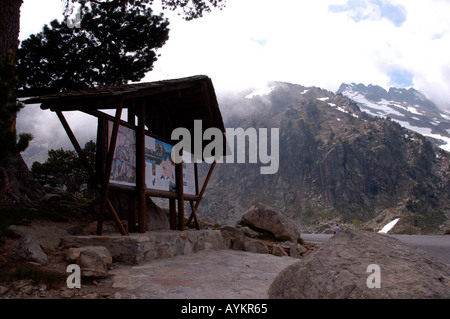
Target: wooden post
x=172 y=214
x=105 y=187
x=179 y=181
x=140 y=168
x=132 y=196
x=131 y=212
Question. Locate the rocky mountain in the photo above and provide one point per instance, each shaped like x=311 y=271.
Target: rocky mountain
x=409 y=107
x=337 y=164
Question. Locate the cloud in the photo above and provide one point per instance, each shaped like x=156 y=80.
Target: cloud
x=359 y=10
x=313 y=43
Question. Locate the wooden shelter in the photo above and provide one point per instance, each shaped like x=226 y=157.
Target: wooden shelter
x=154 y=110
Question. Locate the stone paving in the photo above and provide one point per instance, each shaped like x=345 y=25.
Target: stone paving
x=207 y=274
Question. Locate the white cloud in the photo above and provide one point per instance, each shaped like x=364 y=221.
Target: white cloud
x=253 y=41
x=34 y=14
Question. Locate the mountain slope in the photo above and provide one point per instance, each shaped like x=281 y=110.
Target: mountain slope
x=337 y=164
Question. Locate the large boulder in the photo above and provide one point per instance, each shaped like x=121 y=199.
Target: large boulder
x=268 y=219
x=346 y=266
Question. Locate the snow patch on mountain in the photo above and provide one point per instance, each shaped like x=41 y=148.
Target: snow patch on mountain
x=427 y=132
x=408 y=107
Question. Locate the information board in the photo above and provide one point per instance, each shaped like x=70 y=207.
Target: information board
x=159 y=167
x=123 y=169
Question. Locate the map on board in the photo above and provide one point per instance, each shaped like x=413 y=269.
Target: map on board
x=124 y=160
x=159 y=167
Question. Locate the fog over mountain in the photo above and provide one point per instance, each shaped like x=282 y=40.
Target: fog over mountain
x=362 y=156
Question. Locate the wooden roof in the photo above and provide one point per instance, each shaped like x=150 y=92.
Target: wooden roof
x=169 y=104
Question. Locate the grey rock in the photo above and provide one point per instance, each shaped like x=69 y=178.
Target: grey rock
x=256 y=246
x=73 y=254
x=233 y=238
x=267 y=218
x=156 y=218
x=340 y=269
x=92 y=265
x=249 y=232
x=277 y=250
x=28 y=245
x=296 y=250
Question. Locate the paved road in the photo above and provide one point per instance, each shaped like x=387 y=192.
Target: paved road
x=437 y=245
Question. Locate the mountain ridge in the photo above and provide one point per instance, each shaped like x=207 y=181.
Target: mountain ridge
x=338 y=164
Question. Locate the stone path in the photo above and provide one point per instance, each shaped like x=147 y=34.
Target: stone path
x=207 y=274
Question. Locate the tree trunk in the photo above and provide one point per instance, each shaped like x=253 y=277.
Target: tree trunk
x=10 y=26
x=17 y=185
x=21 y=187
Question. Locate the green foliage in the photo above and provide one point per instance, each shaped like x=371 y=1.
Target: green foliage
x=115 y=44
x=52 y=279
x=63 y=169
x=9 y=80
x=24 y=141
x=9 y=106
x=190 y=9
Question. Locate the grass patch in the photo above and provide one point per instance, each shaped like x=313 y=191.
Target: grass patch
x=37 y=276
x=57 y=210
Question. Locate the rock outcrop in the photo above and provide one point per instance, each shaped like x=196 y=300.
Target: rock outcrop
x=341 y=268
x=266 y=218
x=28 y=245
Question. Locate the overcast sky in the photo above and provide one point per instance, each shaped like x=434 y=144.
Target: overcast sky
x=321 y=43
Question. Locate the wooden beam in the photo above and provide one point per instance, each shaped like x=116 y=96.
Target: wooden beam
x=105 y=186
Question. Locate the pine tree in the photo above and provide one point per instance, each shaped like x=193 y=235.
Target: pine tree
x=113 y=45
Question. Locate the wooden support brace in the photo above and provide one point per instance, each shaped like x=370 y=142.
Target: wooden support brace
x=200 y=196
x=194 y=214
x=76 y=145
